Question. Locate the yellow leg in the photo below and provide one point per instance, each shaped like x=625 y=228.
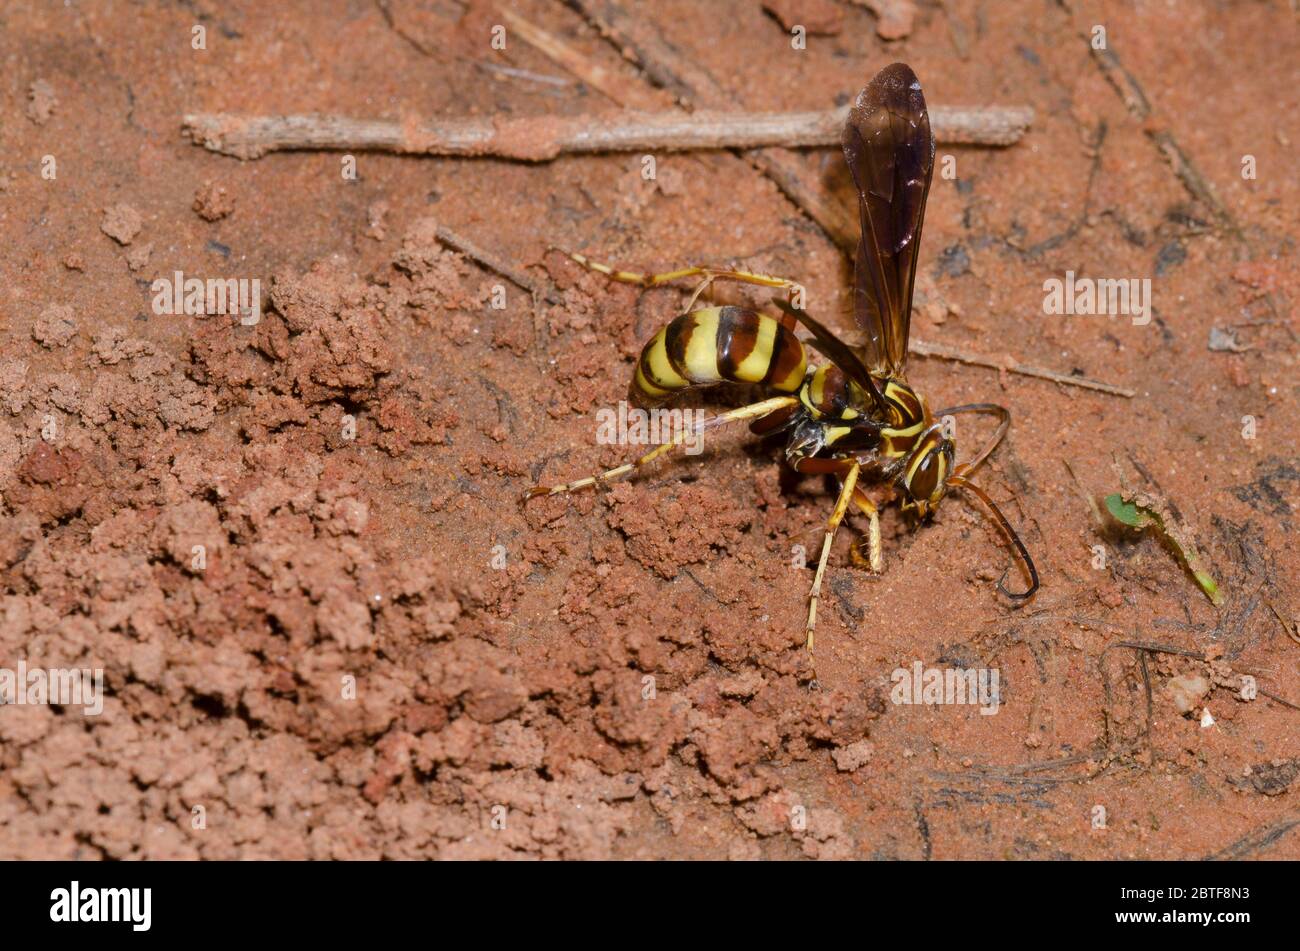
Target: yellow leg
x=875 y=559
x=841 y=506
x=710 y=274
x=751 y=411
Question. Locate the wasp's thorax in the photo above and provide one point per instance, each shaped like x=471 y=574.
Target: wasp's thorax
x=840 y=417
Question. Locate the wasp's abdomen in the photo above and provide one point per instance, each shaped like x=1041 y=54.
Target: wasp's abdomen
x=719 y=345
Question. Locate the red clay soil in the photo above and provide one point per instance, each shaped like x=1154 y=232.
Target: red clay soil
x=622 y=673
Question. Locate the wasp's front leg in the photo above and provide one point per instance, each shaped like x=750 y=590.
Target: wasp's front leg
x=841 y=506
x=874 y=559
x=847 y=471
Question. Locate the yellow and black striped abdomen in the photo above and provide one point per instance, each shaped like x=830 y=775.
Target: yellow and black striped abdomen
x=719 y=345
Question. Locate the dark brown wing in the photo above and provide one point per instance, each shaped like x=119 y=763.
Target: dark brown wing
x=838 y=352
x=890 y=151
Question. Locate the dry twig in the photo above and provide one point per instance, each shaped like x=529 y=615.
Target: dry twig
x=542 y=138
x=1012 y=365
x=494 y=263
x=613 y=86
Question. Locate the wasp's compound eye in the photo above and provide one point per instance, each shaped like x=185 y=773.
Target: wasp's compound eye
x=924 y=479
x=928 y=479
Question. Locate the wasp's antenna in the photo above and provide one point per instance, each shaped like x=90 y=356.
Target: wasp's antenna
x=959 y=482
x=1004 y=423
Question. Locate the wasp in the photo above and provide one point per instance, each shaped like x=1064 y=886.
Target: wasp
x=854 y=417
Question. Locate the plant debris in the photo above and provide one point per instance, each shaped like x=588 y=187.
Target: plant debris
x=1141 y=510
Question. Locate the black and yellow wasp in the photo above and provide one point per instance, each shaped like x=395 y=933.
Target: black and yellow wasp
x=857 y=413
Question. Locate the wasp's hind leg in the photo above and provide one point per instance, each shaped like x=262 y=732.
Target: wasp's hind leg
x=707 y=273
x=752 y=411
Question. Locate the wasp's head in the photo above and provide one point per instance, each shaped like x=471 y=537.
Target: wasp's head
x=924 y=480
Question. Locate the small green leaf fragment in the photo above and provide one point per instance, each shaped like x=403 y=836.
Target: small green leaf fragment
x=1141 y=516
x=1126 y=512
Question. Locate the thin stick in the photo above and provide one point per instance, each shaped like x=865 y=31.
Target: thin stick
x=1274 y=697
x=1286 y=626
x=542 y=138
x=1011 y=365
x=1160 y=648
x=1142 y=648
x=613 y=86
x=494 y=263
x=525 y=74
x=1254 y=841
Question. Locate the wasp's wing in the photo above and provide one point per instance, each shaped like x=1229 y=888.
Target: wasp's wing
x=838 y=352
x=890 y=151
